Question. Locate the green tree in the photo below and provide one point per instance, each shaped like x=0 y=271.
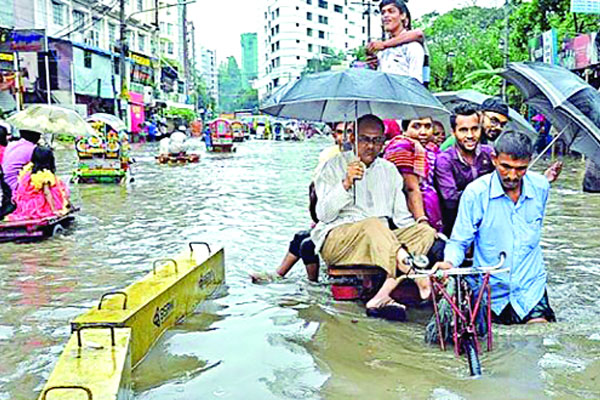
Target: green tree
x=230 y=85
x=328 y=59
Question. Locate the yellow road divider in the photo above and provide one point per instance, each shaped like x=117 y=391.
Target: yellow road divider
x=145 y=309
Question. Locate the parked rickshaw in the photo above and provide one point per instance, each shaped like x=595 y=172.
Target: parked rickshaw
x=104 y=155
x=237 y=127
x=278 y=131
x=262 y=127
x=221 y=137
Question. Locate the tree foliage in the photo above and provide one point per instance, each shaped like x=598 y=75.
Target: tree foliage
x=232 y=94
x=324 y=63
x=467 y=45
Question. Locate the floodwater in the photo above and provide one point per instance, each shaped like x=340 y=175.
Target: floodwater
x=287 y=340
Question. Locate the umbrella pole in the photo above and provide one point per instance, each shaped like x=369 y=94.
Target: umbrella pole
x=548 y=147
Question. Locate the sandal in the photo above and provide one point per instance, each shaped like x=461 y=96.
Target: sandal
x=392 y=311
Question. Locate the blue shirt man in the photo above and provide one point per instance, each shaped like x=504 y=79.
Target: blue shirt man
x=503 y=212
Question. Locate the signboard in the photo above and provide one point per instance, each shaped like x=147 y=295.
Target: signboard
x=544 y=48
x=580 y=52
x=585 y=6
x=22 y=40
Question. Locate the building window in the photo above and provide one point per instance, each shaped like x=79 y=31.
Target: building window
x=112 y=34
x=323 y=19
x=142 y=42
x=321 y=35
x=162 y=27
x=78 y=18
x=309 y=31
x=309 y=2
x=57 y=13
x=310 y=47
x=338 y=9
x=140 y=5
x=323 y=4
x=87 y=59
x=309 y=16
x=170 y=48
x=324 y=49
x=276 y=28
x=277 y=13
x=169 y=29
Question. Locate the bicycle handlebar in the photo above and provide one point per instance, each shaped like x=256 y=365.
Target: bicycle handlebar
x=496 y=269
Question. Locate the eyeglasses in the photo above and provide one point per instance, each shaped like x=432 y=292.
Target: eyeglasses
x=349 y=131
x=496 y=122
x=376 y=140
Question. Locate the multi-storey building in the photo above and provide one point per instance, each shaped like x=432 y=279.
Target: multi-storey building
x=83 y=39
x=296 y=31
x=207 y=66
x=249 y=58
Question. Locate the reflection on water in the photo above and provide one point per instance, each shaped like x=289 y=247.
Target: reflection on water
x=287 y=340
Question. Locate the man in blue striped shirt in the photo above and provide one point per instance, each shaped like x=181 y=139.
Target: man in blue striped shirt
x=503 y=212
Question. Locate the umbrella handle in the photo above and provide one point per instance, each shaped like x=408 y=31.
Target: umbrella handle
x=548 y=147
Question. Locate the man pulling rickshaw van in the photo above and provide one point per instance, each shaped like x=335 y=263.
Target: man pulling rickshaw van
x=357 y=197
x=503 y=212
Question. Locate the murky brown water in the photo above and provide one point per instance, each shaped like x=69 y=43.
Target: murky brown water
x=286 y=340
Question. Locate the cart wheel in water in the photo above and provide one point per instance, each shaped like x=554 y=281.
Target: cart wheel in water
x=57 y=230
x=472 y=357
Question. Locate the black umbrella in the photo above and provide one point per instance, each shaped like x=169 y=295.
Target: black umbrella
x=572 y=105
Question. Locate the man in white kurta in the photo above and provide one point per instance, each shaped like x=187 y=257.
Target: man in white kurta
x=373 y=227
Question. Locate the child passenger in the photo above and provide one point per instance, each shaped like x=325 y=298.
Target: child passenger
x=40 y=193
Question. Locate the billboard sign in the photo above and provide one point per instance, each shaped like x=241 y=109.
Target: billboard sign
x=585 y=6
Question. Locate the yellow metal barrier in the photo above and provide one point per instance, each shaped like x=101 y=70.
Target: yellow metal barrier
x=95 y=365
x=136 y=317
x=157 y=301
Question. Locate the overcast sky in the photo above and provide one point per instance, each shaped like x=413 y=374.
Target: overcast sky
x=220 y=23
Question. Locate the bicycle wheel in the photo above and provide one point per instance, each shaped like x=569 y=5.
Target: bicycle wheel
x=472 y=355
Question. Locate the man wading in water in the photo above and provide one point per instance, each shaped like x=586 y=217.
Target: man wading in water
x=357 y=229
x=503 y=212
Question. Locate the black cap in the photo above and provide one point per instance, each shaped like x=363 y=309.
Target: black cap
x=495 y=104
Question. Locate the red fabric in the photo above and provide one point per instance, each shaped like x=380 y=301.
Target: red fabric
x=392 y=128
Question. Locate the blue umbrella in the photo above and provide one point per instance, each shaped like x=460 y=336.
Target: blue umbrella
x=570 y=103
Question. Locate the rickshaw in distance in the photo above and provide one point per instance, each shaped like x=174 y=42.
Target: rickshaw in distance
x=104 y=156
x=221 y=137
x=237 y=127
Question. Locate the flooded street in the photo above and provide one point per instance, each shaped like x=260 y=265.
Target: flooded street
x=288 y=340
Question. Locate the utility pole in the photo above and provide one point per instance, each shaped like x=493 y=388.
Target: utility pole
x=122 y=72
x=186 y=63
x=506 y=45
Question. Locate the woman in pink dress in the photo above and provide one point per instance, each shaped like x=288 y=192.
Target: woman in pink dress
x=40 y=193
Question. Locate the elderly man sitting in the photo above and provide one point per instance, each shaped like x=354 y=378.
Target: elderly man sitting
x=372 y=227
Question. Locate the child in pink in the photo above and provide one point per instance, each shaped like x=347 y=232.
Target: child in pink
x=40 y=193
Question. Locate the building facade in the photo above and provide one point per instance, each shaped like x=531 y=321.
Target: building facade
x=249 y=58
x=208 y=69
x=296 y=31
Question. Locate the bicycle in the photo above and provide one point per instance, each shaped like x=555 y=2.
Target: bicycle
x=465 y=307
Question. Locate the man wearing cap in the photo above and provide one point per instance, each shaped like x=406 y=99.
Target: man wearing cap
x=17 y=154
x=495 y=118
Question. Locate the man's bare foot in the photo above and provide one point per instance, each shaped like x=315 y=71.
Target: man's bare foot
x=537 y=321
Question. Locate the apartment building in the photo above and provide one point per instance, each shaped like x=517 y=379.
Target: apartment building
x=296 y=31
x=208 y=68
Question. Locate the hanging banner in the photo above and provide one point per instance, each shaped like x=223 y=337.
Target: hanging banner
x=22 y=40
